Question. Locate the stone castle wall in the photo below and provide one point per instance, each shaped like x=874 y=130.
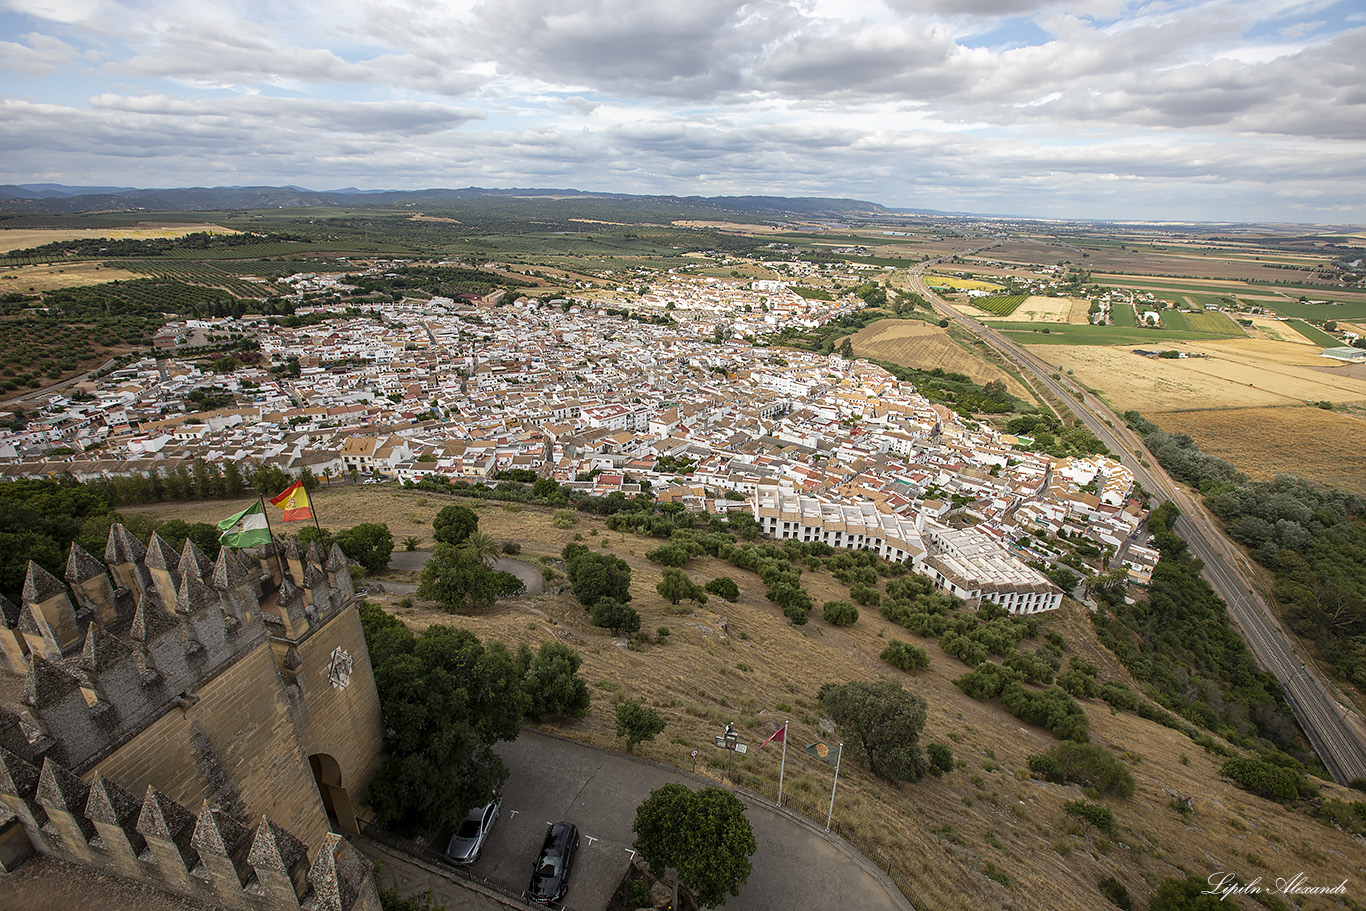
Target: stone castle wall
x=192 y=724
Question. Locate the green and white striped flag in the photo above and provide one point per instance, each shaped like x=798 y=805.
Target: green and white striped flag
x=246 y=529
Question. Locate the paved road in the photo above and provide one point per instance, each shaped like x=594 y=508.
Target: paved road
x=796 y=864
x=1337 y=734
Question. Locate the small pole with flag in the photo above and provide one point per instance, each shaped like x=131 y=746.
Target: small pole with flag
x=779 y=735
x=830 y=814
x=293 y=501
x=782 y=766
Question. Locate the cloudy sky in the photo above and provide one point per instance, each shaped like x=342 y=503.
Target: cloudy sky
x=1208 y=111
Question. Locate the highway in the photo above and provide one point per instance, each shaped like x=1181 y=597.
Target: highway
x=1337 y=733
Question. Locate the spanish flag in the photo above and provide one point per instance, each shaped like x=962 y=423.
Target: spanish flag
x=294 y=501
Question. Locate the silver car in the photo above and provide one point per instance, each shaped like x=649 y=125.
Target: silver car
x=468 y=840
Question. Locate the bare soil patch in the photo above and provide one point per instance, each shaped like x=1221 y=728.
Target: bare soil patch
x=1328 y=447
x=913 y=343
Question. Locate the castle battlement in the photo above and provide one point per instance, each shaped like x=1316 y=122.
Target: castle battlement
x=240 y=686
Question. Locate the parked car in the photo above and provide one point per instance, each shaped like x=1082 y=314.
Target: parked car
x=550 y=876
x=468 y=841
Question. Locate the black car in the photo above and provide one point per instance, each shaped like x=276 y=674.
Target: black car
x=550 y=876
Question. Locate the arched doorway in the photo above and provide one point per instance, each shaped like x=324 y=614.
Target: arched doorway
x=338 y=803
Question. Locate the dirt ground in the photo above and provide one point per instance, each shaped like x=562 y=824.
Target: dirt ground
x=913 y=343
x=1233 y=373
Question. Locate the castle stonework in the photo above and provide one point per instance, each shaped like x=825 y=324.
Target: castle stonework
x=202 y=727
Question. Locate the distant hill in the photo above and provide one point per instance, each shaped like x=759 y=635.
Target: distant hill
x=55 y=199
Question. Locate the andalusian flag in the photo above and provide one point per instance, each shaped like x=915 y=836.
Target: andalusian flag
x=294 y=501
x=246 y=529
x=823 y=752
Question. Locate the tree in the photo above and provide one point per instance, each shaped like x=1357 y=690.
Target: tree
x=839 y=613
x=370 y=544
x=446 y=699
x=594 y=576
x=903 y=655
x=675 y=586
x=484 y=547
x=703 y=834
x=611 y=614
x=637 y=722
x=454 y=524
x=882 y=722
x=456 y=577
x=552 y=682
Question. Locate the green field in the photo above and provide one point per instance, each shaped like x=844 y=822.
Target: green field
x=1213 y=322
x=1122 y=316
x=1314 y=333
x=1054 y=334
x=1001 y=304
x=1175 y=319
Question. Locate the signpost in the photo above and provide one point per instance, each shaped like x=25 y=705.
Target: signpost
x=730 y=741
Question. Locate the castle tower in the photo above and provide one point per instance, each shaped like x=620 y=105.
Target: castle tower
x=90 y=582
x=52 y=630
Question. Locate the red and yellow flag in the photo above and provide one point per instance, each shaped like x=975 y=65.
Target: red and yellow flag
x=294 y=501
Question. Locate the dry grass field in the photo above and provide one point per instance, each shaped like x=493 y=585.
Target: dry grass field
x=1041 y=309
x=52 y=277
x=23 y=238
x=744 y=663
x=924 y=346
x=1277 y=331
x=1234 y=373
x=1328 y=447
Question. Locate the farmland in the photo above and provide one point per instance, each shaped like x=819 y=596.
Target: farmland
x=912 y=343
x=23 y=238
x=1328 y=445
x=1233 y=373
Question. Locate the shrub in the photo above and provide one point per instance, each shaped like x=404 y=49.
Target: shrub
x=1116 y=892
x=511 y=548
x=724 y=588
x=905 y=656
x=1091 y=814
x=839 y=613
x=1268 y=780
x=941 y=759
x=1085 y=764
x=868 y=597
x=1119 y=696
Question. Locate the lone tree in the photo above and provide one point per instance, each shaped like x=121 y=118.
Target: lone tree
x=882 y=723
x=637 y=722
x=675 y=586
x=704 y=835
x=454 y=524
x=370 y=544
x=609 y=613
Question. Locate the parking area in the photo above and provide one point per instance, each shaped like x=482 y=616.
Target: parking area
x=554 y=780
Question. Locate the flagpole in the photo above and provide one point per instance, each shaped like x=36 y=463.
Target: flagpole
x=279 y=561
x=830 y=814
x=782 y=765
